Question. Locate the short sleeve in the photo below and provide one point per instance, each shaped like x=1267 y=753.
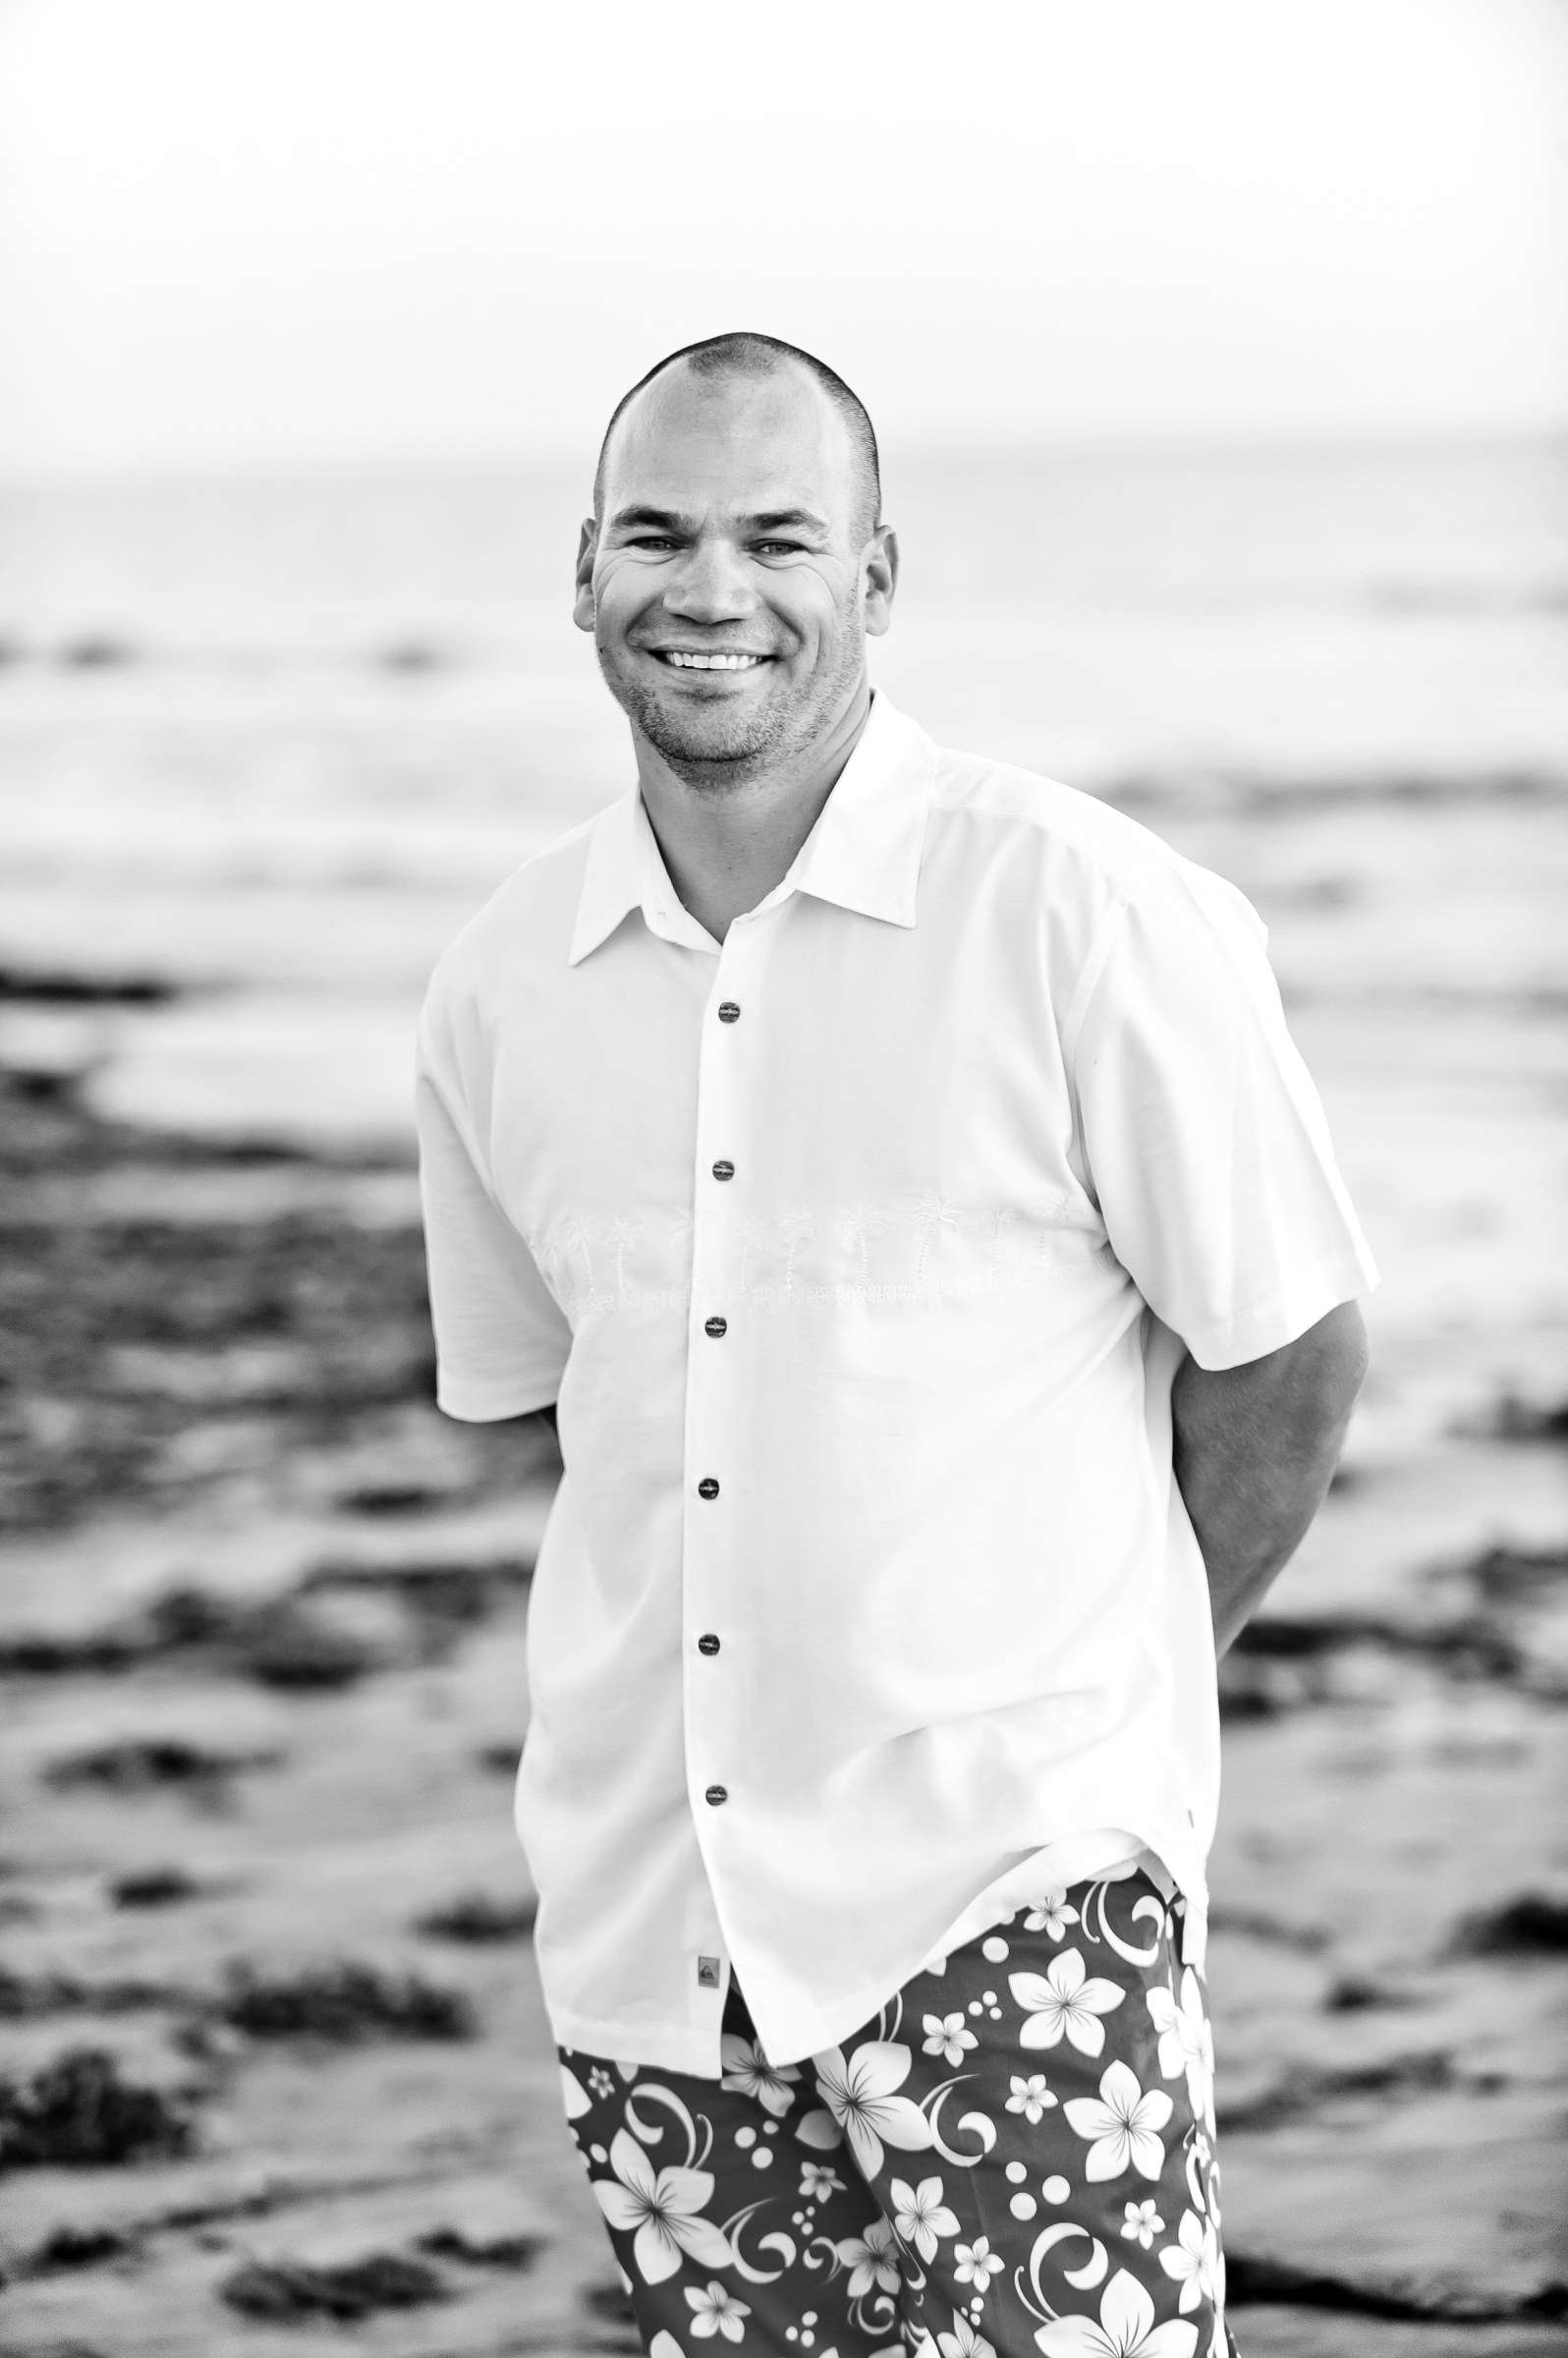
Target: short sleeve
x=501 y=1339
x=1203 y=1139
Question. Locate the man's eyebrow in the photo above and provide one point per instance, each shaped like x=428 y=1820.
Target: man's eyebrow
x=664 y=519
x=659 y=519
x=776 y=517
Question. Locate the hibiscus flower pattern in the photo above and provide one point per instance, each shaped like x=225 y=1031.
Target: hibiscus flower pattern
x=860 y=2095
x=1016 y=2152
x=1065 y=2002
x=1123 y=2123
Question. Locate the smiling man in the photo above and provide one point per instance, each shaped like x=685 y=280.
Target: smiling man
x=894 y=1172
x=757 y=487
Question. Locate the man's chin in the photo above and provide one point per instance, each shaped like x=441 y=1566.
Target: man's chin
x=702 y=734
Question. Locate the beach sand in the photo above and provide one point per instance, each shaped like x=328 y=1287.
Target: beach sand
x=278 y=2077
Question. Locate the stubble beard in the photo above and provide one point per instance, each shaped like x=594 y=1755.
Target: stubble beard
x=729 y=749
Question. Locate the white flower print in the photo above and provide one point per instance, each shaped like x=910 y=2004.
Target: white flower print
x=975 y=2264
x=1063 y=2000
x=1122 y=2120
x=1051 y=1913
x=1205 y=2073
x=1126 y=2329
x=923 y=2216
x=860 y=2095
x=746 y=2068
x=817 y=2184
x=664 y=2207
x=1199 y=2193
x=1030 y=2097
x=1143 y=2221
x=1195 y=2261
x=947 y=2035
x=964 y=2341
x=600 y=2082
x=871 y=2259
x=718 y=2311
x=665 y=2345
x=1186 y=2043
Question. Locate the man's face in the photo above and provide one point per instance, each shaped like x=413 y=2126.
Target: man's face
x=728 y=529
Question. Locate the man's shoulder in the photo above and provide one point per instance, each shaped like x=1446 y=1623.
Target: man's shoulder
x=1086 y=865
x=1084 y=840
x=526 y=923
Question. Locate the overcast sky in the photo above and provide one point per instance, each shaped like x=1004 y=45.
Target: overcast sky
x=242 y=233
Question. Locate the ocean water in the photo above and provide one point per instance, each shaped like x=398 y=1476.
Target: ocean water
x=272 y=742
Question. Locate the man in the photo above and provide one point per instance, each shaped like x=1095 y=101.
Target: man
x=896 y=1170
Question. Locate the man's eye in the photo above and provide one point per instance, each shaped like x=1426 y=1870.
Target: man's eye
x=776 y=547
x=652 y=541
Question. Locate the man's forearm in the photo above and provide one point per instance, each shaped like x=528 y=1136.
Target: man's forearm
x=1255 y=1447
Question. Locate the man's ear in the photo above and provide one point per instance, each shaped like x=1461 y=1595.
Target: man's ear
x=582 y=603
x=882 y=580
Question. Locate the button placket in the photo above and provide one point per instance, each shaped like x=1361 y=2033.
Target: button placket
x=719 y=1177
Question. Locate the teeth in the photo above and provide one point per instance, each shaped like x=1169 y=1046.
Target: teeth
x=712 y=662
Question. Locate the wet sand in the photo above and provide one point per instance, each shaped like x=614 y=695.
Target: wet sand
x=277 y=2076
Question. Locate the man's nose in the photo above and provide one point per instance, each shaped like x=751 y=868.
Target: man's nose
x=711 y=584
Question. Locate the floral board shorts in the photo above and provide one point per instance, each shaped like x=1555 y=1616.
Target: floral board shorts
x=1016 y=2154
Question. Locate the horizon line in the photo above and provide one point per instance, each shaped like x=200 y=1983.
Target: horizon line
x=255 y=467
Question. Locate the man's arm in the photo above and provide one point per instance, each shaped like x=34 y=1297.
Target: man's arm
x=1254 y=1448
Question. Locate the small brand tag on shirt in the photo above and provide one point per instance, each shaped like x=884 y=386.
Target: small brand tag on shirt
x=707 y=1973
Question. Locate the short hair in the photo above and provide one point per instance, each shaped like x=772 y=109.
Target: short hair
x=742 y=352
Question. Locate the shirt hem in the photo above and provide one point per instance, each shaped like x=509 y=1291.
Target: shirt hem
x=490 y=1408
x=861 y=2005
x=622 y=2043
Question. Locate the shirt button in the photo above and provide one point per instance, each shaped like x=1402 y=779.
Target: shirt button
x=707 y=1642
x=728 y=1011
x=716 y=1793
x=707 y=1487
x=715 y=1327
x=724 y=1170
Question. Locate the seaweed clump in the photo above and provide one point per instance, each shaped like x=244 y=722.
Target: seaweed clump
x=345 y=2002
x=479 y=1915
x=141 y=1763
x=77 y=2113
x=285 y=2289
x=1532 y=1925
x=152 y=1888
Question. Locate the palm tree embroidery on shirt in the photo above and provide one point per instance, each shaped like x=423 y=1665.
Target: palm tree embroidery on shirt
x=922 y=1245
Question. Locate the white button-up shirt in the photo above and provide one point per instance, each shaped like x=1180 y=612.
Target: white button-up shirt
x=859 y=1252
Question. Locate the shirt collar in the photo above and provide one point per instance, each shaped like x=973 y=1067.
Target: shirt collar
x=863 y=850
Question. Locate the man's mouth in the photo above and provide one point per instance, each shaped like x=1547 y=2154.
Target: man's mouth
x=681 y=658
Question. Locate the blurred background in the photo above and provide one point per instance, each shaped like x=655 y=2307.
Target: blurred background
x=1219 y=359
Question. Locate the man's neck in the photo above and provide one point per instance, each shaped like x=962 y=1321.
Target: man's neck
x=727 y=844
